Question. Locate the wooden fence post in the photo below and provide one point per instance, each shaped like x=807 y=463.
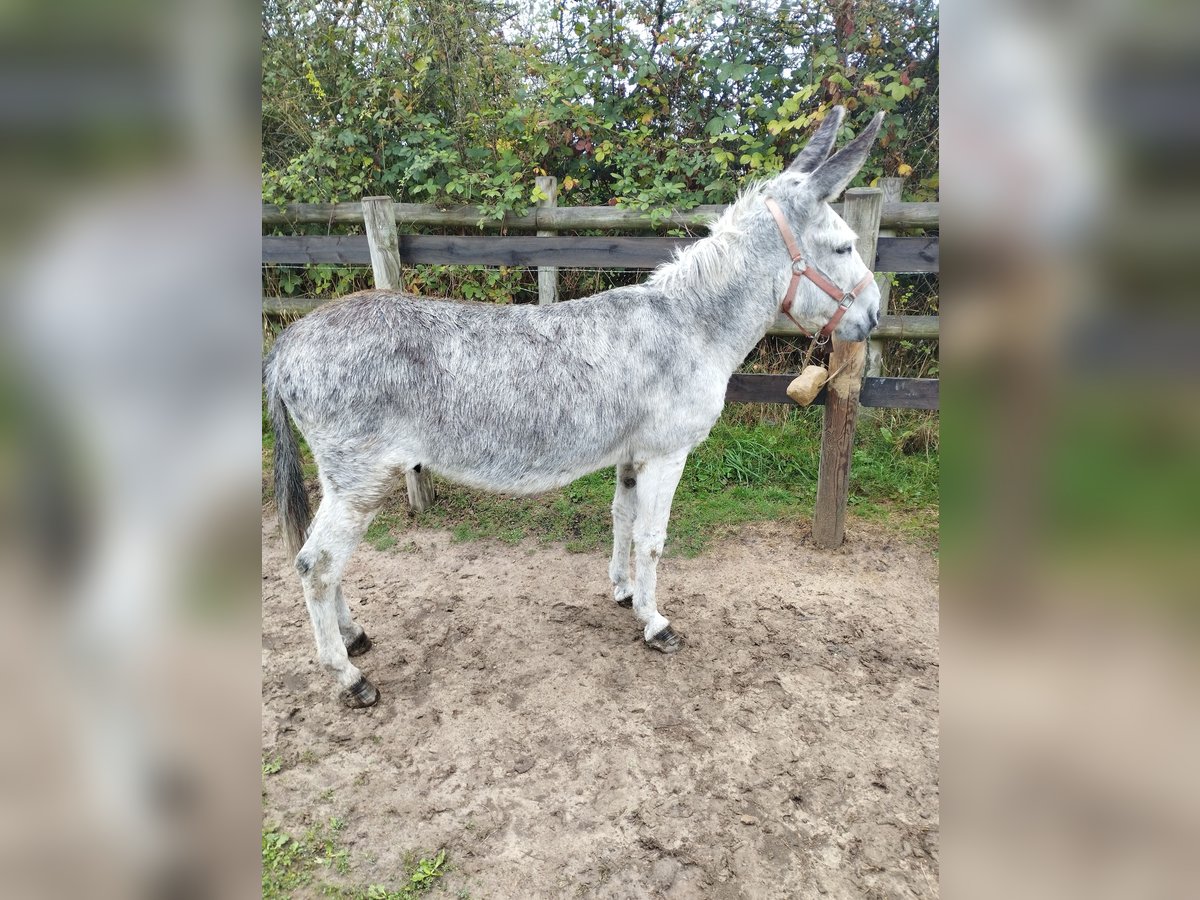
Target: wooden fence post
x=862 y=212
x=892 y=189
x=379 y=216
x=547 y=275
x=837 y=443
x=863 y=208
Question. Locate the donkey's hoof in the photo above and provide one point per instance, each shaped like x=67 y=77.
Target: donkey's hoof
x=626 y=602
x=666 y=641
x=359 y=645
x=360 y=694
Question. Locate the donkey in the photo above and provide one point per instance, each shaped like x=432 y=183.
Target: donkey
x=523 y=399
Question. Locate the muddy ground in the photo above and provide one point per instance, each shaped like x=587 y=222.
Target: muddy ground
x=790 y=750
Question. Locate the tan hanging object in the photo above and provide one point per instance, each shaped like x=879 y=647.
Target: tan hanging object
x=805 y=386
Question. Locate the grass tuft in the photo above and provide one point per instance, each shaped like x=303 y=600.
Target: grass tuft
x=290 y=865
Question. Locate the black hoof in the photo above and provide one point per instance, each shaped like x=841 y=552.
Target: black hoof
x=666 y=641
x=359 y=645
x=361 y=694
x=626 y=602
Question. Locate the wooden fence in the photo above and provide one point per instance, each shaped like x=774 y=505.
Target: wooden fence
x=874 y=213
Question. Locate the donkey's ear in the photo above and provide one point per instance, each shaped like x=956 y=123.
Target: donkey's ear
x=819 y=145
x=832 y=176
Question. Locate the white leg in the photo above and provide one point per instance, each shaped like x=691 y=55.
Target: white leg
x=336 y=530
x=624 y=509
x=655 y=490
x=353 y=635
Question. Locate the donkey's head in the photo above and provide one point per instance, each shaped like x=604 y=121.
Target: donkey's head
x=822 y=244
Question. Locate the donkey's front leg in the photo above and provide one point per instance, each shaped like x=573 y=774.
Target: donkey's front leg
x=656 y=485
x=624 y=510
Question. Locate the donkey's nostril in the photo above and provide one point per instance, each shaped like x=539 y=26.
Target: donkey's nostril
x=874 y=320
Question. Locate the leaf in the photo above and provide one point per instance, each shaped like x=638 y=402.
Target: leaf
x=904 y=170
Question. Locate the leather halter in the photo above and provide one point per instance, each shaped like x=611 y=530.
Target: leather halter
x=801 y=269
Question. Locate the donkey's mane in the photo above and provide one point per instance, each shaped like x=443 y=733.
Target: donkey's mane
x=712 y=262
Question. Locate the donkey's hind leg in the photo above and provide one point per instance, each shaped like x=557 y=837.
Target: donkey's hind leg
x=655 y=489
x=336 y=530
x=353 y=635
x=624 y=509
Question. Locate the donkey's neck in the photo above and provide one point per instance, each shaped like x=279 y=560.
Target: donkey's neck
x=729 y=284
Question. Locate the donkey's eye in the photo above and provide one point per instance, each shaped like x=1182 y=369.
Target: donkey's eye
x=842 y=251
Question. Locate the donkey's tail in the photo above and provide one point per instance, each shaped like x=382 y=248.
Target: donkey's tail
x=291 y=496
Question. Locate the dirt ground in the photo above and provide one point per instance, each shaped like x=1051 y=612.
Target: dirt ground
x=789 y=750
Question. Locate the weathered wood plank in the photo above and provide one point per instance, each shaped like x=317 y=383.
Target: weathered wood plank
x=907 y=255
x=846 y=361
x=890 y=328
x=903 y=255
x=886 y=393
x=900 y=393
x=576 y=218
x=380 y=223
x=547 y=275
x=312 y=213
x=892 y=189
x=274 y=306
x=863 y=206
x=302 y=249
x=609 y=218
x=609 y=252
x=406 y=214
x=421 y=490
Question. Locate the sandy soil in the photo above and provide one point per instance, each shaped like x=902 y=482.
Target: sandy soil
x=790 y=749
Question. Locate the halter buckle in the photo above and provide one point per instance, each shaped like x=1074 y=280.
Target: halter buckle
x=848 y=298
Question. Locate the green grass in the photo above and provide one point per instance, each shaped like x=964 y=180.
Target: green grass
x=744 y=472
x=380 y=536
x=309 y=863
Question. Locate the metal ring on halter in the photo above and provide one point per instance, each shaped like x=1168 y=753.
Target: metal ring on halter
x=820 y=339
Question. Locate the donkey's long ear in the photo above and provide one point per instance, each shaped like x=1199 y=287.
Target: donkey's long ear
x=831 y=178
x=817 y=149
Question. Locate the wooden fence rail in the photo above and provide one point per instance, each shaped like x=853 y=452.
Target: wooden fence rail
x=897 y=254
x=866 y=209
x=882 y=393
x=900 y=216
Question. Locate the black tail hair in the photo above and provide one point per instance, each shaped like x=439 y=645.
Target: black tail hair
x=291 y=496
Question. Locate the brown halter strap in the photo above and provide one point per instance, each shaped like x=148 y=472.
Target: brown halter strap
x=801 y=269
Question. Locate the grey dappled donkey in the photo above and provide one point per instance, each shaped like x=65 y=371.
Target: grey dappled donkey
x=522 y=399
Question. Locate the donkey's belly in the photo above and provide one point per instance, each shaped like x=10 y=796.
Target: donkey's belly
x=513 y=476
x=486 y=439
